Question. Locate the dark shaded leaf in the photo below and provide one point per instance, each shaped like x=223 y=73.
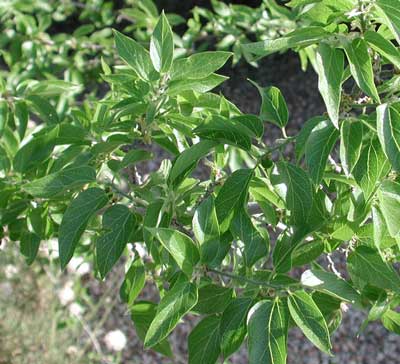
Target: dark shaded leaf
x=232 y=196
x=367 y=266
x=118 y=226
x=204 y=341
x=75 y=219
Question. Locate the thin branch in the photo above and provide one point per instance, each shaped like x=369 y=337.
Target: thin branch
x=249 y=280
x=332 y=266
x=91 y=336
x=129 y=197
x=281 y=143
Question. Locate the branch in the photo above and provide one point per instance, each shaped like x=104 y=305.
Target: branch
x=251 y=281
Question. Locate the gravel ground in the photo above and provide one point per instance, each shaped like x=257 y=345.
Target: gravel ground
x=283 y=71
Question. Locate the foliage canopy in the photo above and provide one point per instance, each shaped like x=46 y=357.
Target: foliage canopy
x=223 y=244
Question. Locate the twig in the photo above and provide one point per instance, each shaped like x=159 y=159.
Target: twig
x=249 y=280
x=332 y=266
x=131 y=198
x=281 y=143
x=109 y=307
x=91 y=336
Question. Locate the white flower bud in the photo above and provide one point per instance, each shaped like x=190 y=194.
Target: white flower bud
x=66 y=294
x=75 y=309
x=10 y=271
x=79 y=266
x=115 y=340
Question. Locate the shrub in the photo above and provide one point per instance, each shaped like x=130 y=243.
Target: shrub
x=75 y=175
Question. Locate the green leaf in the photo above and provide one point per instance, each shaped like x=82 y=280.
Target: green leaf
x=173 y=306
x=351 y=134
x=14 y=209
x=294 y=186
x=371 y=167
x=267 y=326
x=331 y=284
x=383 y=46
x=251 y=122
x=307 y=252
x=162 y=45
x=319 y=145
x=35 y=152
x=366 y=265
x=391 y=321
x=261 y=189
x=104 y=148
x=133 y=283
x=83 y=30
x=60 y=182
x=199 y=85
x=389 y=203
x=213 y=252
x=118 y=223
x=310 y=320
x=282 y=254
x=46 y=111
x=149 y=7
x=188 y=160
x=302 y=137
x=255 y=245
x=205 y=222
x=206 y=230
x=221 y=8
x=199 y=65
x=157 y=215
x=5 y=163
x=296 y=3
x=49 y=88
x=330 y=67
x=204 y=341
x=134 y=55
x=142 y=314
x=273 y=105
x=134 y=156
x=75 y=219
x=21 y=117
x=232 y=196
x=213 y=299
x=68 y=134
x=4 y=110
x=377 y=310
x=29 y=246
x=391 y=11
x=388 y=127
x=39 y=220
x=224 y=130
x=233 y=325
x=180 y=246
x=73 y=155
x=361 y=67
x=301 y=37
x=381 y=237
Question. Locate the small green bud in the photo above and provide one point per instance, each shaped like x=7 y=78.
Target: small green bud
x=266 y=161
